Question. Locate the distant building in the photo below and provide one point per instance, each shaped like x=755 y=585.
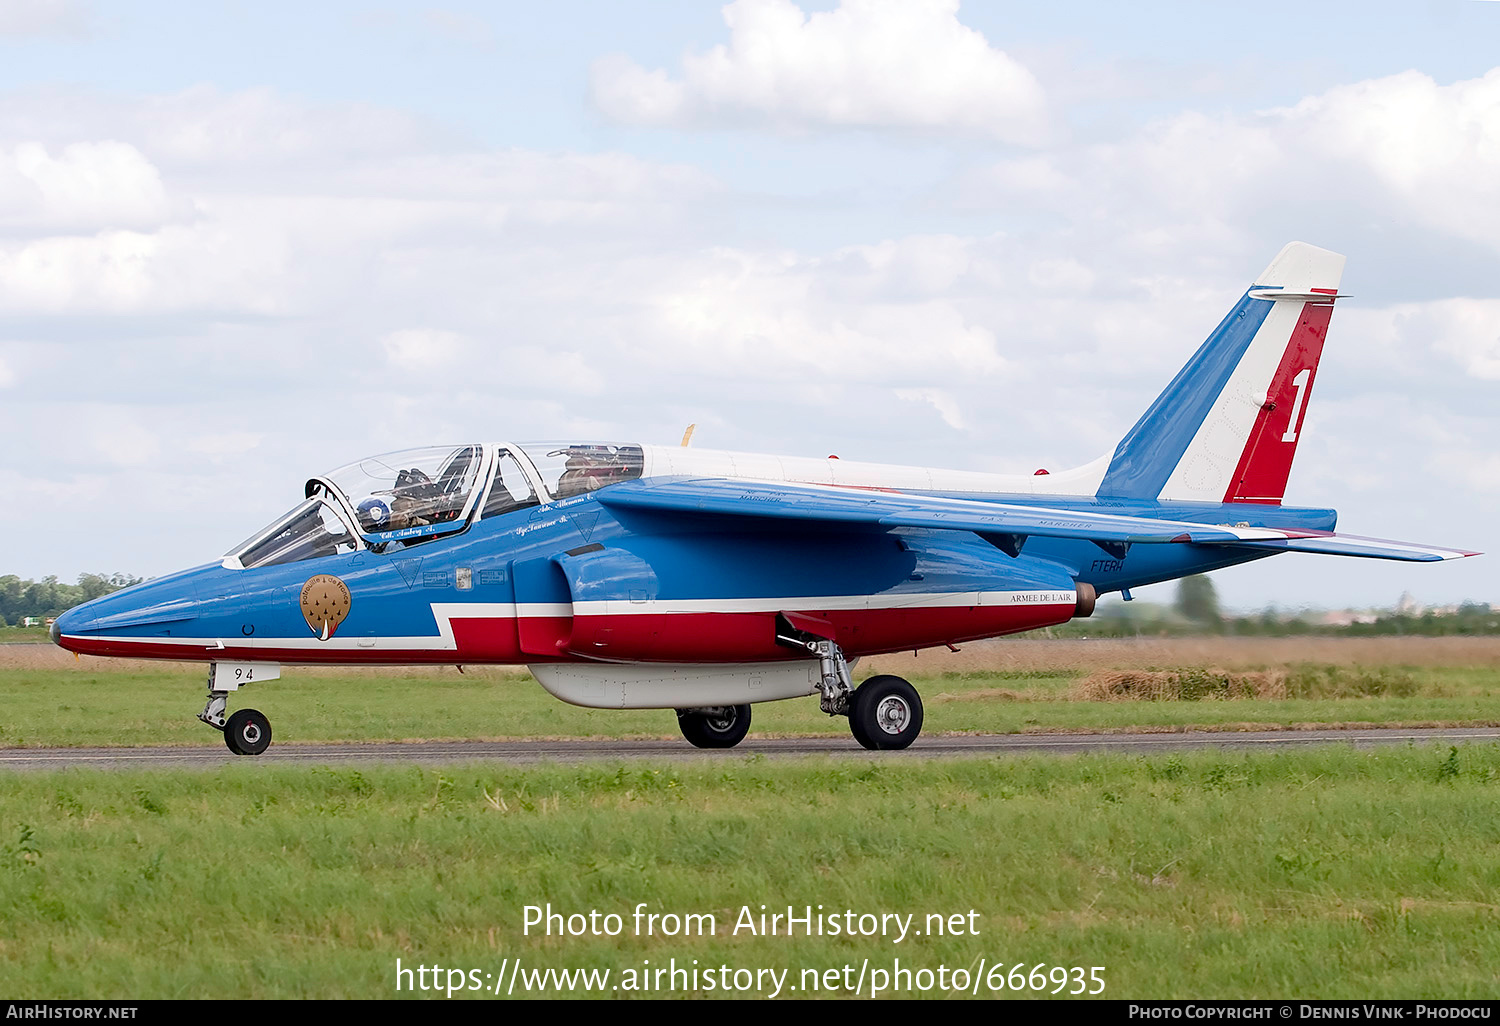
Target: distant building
x=1345 y=618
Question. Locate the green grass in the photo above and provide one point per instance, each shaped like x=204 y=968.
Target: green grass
x=1327 y=873
x=100 y=705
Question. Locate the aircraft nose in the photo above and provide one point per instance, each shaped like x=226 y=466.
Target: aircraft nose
x=69 y=624
x=126 y=619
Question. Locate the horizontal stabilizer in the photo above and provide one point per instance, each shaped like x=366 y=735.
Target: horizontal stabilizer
x=1369 y=548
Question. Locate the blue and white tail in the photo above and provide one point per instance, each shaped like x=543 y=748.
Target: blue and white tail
x=1227 y=427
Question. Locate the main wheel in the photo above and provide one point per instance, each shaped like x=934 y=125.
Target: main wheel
x=720 y=727
x=247 y=732
x=885 y=712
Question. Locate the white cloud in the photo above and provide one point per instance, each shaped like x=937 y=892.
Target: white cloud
x=1435 y=148
x=109 y=271
x=1468 y=330
x=767 y=314
x=1393 y=152
x=901 y=64
x=1477 y=470
x=253 y=138
x=43 y=18
x=939 y=400
x=7 y=376
x=1464 y=332
x=225 y=444
x=82 y=187
x=119 y=438
x=266 y=236
x=204 y=126
x=460 y=27
x=423 y=350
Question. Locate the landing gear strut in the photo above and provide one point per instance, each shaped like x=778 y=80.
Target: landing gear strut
x=885 y=712
x=246 y=732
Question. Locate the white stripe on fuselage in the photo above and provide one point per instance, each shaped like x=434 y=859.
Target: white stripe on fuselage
x=444 y=613
x=671 y=461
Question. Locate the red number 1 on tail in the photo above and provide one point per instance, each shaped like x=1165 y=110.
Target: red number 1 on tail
x=1300 y=383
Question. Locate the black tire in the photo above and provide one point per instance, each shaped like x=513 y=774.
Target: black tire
x=723 y=727
x=855 y=728
x=247 y=732
x=885 y=713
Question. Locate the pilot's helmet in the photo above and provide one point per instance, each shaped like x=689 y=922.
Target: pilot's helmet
x=374 y=515
x=580 y=456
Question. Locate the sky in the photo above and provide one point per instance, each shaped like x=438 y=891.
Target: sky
x=242 y=244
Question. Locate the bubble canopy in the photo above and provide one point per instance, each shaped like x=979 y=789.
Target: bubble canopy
x=410 y=496
x=412 y=493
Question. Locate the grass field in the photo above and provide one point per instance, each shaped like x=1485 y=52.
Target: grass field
x=23 y=636
x=47 y=697
x=1312 y=873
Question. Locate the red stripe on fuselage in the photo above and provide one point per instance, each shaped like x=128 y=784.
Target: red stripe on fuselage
x=660 y=637
x=750 y=637
x=1266 y=462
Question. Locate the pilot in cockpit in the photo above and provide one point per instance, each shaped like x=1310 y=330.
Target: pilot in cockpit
x=588 y=467
x=411 y=503
x=413 y=499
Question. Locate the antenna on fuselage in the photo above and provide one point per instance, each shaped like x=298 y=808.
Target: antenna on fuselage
x=687 y=436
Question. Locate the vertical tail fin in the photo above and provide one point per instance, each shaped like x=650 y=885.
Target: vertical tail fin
x=1227 y=427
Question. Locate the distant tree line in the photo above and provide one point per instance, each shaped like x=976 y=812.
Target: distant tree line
x=51 y=597
x=1470 y=618
x=1196 y=611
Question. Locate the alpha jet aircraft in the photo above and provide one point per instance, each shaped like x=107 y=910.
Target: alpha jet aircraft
x=631 y=576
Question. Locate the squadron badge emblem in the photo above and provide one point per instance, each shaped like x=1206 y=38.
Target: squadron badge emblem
x=325 y=604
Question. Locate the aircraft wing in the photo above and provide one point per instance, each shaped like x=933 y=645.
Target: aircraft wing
x=827 y=503
x=1003 y=524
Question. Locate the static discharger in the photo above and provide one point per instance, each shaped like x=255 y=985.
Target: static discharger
x=325 y=604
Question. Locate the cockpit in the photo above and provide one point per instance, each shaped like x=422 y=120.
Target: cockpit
x=407 y=498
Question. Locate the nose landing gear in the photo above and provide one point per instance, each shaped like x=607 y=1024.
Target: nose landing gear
x=246 y=732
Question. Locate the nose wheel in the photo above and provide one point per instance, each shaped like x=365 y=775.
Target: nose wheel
x=248 y=732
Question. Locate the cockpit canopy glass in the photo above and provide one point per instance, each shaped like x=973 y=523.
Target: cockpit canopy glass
x=312 y=529
x=573 y=468
x=407 y=498
x=411 y=493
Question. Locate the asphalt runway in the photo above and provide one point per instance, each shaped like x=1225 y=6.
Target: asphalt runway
x=522 y=752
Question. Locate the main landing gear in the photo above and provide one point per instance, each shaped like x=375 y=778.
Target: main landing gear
x=246 y=732
x=885 y=712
